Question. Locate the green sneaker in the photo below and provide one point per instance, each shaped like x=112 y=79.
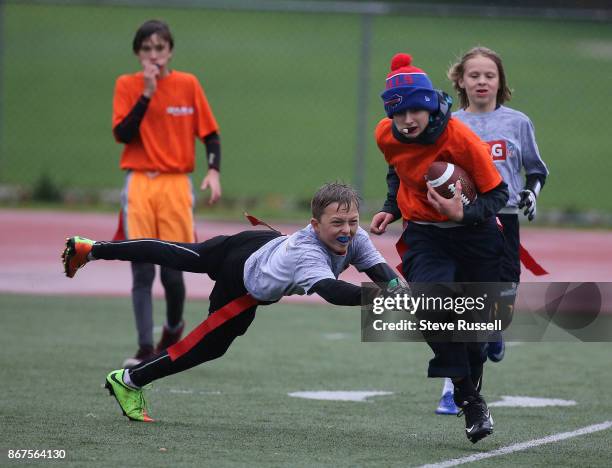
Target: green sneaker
x=131 y=400
x=74 y=255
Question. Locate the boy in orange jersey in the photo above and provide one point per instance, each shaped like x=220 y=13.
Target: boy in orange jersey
x=157 y=114
x=444 y=240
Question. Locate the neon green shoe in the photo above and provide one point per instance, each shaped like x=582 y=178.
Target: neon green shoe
x=131 y=400
x=75 y=254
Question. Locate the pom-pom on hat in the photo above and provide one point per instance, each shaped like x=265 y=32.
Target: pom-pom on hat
x=408 y=88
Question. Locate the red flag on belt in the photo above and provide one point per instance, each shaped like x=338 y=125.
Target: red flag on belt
x=258 y=222
x=530 y=263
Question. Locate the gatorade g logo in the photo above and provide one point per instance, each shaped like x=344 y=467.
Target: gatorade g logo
x=498 y=149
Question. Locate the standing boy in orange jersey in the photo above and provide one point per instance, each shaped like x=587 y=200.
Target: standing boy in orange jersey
x=445 y=241
x=158 y=113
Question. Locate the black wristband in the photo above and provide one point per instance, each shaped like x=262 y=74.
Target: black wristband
x=213 y=150
x=535 y=182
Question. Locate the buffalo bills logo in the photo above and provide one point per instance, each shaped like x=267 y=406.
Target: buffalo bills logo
x=393 y=101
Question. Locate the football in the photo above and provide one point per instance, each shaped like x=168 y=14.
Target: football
x=443 y=175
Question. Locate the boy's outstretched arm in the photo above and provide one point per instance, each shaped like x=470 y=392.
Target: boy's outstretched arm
x=340 y=292
x=381 y=273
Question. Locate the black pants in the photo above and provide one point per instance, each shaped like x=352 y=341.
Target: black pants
x=511 y=263
x=436 y=256
x=223 y=259
x=510 y=273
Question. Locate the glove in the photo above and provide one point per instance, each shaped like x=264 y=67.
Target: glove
x=398 y=287
x=528 y=201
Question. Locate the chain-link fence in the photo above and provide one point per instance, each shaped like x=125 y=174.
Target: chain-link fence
x=296 y=93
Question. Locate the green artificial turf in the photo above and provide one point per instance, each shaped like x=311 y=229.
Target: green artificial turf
x=236 y=411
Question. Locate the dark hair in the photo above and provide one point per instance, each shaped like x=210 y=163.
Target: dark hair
x=456 y=71
x=333 y=192
x=148 y=29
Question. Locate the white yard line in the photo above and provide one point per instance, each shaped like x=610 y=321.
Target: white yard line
x=522 y=446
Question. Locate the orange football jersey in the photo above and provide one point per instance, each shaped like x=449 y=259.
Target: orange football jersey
x=177 y=113
x=457 y=145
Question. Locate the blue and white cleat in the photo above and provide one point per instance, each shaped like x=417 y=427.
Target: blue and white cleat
x=496 y=350
x=447 y=405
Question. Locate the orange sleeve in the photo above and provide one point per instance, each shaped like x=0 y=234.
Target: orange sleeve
x=123 y=99
x=205 y=122
x=474 y=156
x=379 y=132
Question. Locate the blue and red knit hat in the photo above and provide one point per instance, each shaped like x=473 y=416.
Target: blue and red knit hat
x=408 y=87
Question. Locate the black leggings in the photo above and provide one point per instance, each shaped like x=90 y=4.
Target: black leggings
x=231 y=311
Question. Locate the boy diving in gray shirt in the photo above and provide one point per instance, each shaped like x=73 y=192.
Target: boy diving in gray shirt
x=250 y=268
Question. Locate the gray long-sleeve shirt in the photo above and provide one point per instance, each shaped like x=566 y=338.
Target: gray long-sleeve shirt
x=292 y=264
x=510 y=135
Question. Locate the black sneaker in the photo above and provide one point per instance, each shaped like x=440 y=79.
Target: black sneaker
x=478 y=420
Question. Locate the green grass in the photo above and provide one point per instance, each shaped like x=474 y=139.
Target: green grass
x=283 y=87
x=57 y=350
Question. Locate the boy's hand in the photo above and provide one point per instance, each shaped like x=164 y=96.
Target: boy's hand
x=450 y=207
x=379 y=222
x=528 y=201
x=213 y=182
x=150 y=72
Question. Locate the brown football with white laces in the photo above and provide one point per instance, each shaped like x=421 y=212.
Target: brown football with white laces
x=443 y=175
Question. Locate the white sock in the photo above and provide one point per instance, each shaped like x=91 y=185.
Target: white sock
x=448 y=386
x=128 y=381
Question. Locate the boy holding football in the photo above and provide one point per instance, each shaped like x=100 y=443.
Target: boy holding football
x=444 y=241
